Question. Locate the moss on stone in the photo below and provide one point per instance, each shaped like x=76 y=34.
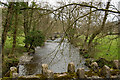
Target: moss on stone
x=67 y=76
x=115 y=72
x=91 y=73
x=41 y=76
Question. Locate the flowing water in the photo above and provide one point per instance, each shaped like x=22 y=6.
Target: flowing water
x=56 y=56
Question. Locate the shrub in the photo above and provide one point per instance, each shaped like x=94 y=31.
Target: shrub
x=35 y=38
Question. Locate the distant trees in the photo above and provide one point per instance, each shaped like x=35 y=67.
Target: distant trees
x=86 y=22
x=81 y=22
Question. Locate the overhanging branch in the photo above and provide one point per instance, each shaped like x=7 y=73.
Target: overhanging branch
x=3 y=3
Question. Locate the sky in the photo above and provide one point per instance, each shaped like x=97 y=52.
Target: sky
x=113 y=2
x=54 y=2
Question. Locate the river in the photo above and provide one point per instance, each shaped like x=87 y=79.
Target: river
x=56 y=56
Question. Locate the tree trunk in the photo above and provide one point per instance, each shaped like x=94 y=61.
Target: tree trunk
x=26 y=27
x=15 y=31
x=89 y=18
x=102 y=26
x=119 y=33
x=6 y=26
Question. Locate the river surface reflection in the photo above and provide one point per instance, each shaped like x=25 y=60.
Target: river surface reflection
x=56 y=56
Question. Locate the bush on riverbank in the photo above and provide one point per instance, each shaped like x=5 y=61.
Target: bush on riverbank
x=34 y=39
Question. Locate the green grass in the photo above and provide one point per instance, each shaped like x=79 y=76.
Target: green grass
x=19 y=46
x=19 y=50
x=107 y=49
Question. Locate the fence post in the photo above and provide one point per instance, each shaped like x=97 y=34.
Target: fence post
x=81 y=73
x=13 y=72
x=105 y=71
x=47 y=73
x=71 y=67
x=94 y=67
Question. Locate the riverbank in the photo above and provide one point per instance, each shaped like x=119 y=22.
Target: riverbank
x=106 y=47
x=12 y=61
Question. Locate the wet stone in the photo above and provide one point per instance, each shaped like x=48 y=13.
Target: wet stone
x=71 y=67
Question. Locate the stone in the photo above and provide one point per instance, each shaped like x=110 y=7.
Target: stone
x=71 y=67
x=81 y=73
x=114 y=76
x=30 y=76
x=116 y=64
x=44 y=68
x=61 y=75
x=49 y=74
x=13 y=69
x=95 y=67
x=15 y=75
x=105 y=71
x=25 y=59
x=96 y=77
x=13 y=72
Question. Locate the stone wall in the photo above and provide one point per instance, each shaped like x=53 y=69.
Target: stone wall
x=93 y=73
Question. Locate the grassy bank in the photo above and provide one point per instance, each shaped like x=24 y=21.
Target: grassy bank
x=19 y=46
x=19 y=50
x=108 y=48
